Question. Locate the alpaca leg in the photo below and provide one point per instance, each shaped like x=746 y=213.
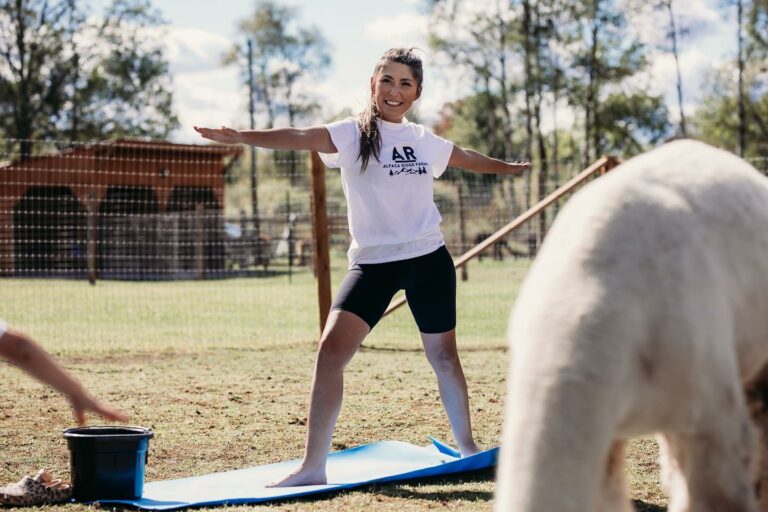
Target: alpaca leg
x=713 y=468
x=613 y=495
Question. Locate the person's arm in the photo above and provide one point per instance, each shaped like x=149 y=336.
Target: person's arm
x=478 y=162
x=311 y=139
x=20 y=350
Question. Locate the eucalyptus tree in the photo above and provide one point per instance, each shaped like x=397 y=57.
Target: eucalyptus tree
x=673 y=35
x=477 y=38
x=65 y=75
x=609 y=62
x=36 y=50
x=123 y=84
x=752 y=36
x=287 y=57
x=734 y=113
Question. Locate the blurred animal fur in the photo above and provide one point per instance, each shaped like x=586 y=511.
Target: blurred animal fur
x=646 y=311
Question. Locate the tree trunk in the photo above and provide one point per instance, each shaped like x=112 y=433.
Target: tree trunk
x=673 y=35
x=527 y=29
x=73 y=132
x=265 y=94
x=742 y=113
x=591 y=102
x=507 y=122
x=541 y=142
x=22 y=109
x=555 y=138
x=291 y=120
x=492 y=121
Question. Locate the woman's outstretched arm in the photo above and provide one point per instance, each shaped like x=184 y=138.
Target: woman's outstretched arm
x=311 y=139
x=478 y=162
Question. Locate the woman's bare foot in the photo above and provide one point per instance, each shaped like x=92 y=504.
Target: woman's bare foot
x=302 y=476
x=472 y=449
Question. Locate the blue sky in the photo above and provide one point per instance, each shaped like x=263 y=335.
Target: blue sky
x=206 y=93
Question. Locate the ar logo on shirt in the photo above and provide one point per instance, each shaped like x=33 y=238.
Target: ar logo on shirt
x=409 y=155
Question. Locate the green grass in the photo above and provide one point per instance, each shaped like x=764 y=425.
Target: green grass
x=73 y=317
x=221 y=371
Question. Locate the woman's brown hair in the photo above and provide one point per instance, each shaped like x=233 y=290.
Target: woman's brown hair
x=370 y=138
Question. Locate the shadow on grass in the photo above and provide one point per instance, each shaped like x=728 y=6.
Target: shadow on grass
x=406 y=489
x=373 y=348
x=413 y=489
x=641 y=506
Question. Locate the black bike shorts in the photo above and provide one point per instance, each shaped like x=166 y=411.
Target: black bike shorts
x=429 y=282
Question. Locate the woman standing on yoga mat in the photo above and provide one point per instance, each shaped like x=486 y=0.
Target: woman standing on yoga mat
x=387 y=166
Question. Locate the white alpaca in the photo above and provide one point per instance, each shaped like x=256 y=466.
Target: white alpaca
x=646 y=311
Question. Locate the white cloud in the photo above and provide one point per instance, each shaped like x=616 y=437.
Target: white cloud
x=694 y=65
x=208 y=98
x=205 y=93
x=194 y=49
x=704 y=43
x=404 y=29
x=208 y=94
x=652 y=25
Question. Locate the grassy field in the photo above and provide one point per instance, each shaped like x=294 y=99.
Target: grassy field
x=221 y=371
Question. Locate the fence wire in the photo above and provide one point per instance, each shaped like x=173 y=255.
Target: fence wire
x=238 y=249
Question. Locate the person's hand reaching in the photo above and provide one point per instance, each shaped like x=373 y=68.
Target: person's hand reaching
x=223 y=135
x=82 y=402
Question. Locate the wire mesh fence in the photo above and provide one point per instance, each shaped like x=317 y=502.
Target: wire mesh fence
x=97 y=238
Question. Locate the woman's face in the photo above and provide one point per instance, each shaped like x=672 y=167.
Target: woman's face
x=394 y=89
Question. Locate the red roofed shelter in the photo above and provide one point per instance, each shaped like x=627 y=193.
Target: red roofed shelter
x=122 y=209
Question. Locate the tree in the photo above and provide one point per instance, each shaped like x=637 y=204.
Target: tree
x=55 y=80
x=605 y=66
x=479 y=39
x=753 y=54
x=127 y=90
x=631 y=122
x=735 y=115
x=36 y=49
x=757 y=24
x=717 y=119
x=673 y=37
x=287 y=56
x=465 y=122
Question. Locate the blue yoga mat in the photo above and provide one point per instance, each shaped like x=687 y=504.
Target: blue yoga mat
x=385 y=461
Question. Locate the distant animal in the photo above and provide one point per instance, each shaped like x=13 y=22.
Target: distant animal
x=303 y=253
x=646 y=311
x=497 y=249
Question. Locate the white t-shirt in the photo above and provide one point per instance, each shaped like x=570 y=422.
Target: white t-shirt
x=390 y=207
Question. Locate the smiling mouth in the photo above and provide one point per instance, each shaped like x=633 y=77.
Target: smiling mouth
x=393 y=103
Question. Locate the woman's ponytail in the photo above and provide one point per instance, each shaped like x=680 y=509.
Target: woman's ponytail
x=370 y=137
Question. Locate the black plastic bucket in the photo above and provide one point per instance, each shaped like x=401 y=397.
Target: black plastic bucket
x=107 y=462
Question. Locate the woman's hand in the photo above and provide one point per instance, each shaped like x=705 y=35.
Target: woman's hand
x=224 y=135
x=517 y=167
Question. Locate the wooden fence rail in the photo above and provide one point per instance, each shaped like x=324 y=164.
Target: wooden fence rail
x=320 y=225
x=602 y=166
